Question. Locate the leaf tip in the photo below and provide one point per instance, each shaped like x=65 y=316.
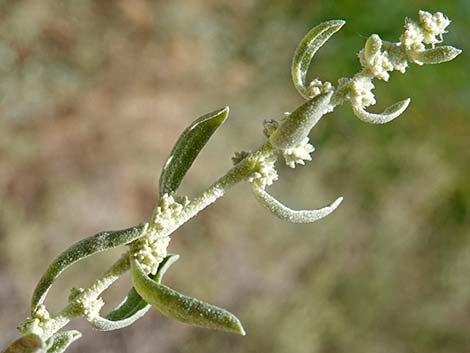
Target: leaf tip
x=337 y=202
x=454 y=52
x=405 y=103
x=236 y=327
x=222 y=113
x=339 y=23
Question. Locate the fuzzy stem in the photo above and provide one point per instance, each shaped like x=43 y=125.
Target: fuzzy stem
x=91 y=293
x=235 y=175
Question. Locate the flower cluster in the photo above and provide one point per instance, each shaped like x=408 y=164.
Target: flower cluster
x=87 y=305
x=37 y=323
x=264 y=172
x=429 y=30
x=167 y=211
x=317 y=87
x=151 y=249
x=359 y=90
x=298 y=154
x=379 y=57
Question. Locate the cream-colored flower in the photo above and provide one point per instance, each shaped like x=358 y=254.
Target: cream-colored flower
x=264 y=172
x=88 y=305
x=434 y=26
x=360 y=91
x=317 y=87
x=298 y=154
x=374 y=59
x=150 y=251
x=167 y=212
x=413 y=36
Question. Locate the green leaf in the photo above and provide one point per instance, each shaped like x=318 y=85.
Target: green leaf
x=296 y=126
x=390 y=113
x=133 y=307
x=126 y=315
x=373 y=46
x=187 y=148
x=295 y=216
x=62 y=340
x=80 y=250
x=307 y=48
x=436 y=55
x=181 y=307
x=26 y=344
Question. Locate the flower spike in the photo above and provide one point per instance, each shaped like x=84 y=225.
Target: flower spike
x=147 y=256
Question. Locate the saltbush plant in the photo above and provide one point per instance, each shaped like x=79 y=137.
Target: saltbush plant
x=146 y=244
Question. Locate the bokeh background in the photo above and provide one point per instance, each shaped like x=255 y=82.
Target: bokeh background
x=93 y=94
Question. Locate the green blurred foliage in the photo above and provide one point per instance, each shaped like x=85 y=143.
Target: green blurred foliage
x=94 y=94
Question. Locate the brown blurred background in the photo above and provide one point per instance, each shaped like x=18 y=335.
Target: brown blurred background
x=93 y=94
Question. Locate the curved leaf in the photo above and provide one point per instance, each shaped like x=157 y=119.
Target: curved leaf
x=80 y=250
x=186 y=149
x=181 y=307
x=62 y=340
x=388 y=114
x=129 y=314
x=294 y=216
x=27 y=344
x=133 y=306
x=307 y=48
x=436 y=55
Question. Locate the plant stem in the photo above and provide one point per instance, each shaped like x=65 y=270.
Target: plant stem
x=235 y=175
x=91 y=293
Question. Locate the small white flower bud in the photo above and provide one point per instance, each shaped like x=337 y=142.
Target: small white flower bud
x=298 y=154
x=433 y=25
x=264 y=172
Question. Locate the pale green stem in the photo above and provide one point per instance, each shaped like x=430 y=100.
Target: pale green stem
x=93 y=292
x=117 y=270
x=235 y=175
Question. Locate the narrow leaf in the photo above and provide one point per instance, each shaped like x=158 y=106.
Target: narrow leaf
x=436 y=55
x=388 y=114
x=181 y=307
x=134 y=314
x=295 y=216
x=307 y=48
x=373 y=46
x=26 y=344
x=80 y=250
x=296 y=127
x=187 y=148
x=62 y=340
x=133 y=307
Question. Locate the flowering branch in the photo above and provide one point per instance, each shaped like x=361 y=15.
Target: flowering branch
x=147 y=255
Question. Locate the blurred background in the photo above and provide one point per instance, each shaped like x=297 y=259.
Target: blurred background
x=93 y=94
